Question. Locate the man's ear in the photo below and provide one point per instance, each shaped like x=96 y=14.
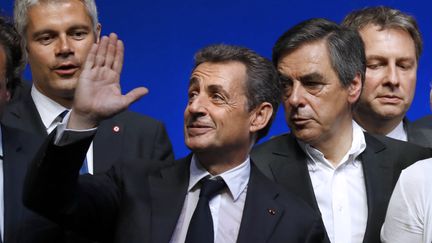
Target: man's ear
x=98 y=32
x=8 y=95
x=354 y=89
x=260 y=117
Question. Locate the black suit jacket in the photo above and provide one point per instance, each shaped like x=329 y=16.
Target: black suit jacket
x=282 y=160
x=141 y=202
x=21 y=224
x=138 y=136
x=418 y=133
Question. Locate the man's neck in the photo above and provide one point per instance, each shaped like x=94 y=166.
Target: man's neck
x=217 y=162
x=65 y=102
x=376 y=125
x=337 y=144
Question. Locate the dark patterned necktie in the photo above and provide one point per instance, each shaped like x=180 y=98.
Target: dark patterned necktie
x=201 y=225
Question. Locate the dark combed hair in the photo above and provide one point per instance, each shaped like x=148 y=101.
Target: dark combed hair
x=345 y=46
x=262 y=84
x=386 y=18
x=10 y=43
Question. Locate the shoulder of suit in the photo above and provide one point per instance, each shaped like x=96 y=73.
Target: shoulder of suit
x=134 y=117
x=397 y=146
x=273 y=141
x=424 y=122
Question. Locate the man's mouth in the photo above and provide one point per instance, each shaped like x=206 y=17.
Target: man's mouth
x=67 y=69
x=196 y=128
x=389 y=99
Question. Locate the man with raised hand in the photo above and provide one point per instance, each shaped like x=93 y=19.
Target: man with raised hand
x=216 y=194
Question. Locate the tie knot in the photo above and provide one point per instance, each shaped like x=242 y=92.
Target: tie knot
x=62 y=115
x=210 y=187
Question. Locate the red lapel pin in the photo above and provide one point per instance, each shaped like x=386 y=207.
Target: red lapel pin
x=116 y=129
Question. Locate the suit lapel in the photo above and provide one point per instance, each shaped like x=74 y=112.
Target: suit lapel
x=261 y=211
x=168 y=191
x=378 y=179
x=289 y=169
x=107 y=145
x=24 y=115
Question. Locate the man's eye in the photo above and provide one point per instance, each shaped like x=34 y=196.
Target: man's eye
x=45 y=39
x=217 y=97
x=79 y=35
x=405 y=66
x=373 y=66
x=313 y=87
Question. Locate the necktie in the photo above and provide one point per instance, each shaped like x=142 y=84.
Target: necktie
x=84 y=167
x=201 y=225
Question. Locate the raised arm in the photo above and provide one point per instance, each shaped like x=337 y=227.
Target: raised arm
x=98 y=94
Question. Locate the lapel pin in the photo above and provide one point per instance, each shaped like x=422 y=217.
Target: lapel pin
x=271 y=211
x=116 y=129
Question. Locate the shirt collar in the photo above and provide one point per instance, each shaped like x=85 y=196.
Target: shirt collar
x=398 y=132
x=358 y=145
x=1 y=142
x=236 y=178
x=48 y=109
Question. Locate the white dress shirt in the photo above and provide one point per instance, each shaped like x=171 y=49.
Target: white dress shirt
x=340 y=191
x=2 y=188
x=226 y=208
x=398 y=133
x=409 y=214
x=49 y=110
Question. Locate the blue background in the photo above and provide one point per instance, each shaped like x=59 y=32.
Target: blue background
x=161 y=37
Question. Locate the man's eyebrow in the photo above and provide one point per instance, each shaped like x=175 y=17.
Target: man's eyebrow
x=193 y=81
x=44 y=31
x=312 y=77
x=51 y=31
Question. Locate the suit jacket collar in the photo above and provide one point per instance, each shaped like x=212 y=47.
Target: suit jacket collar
x=168 y=189
x=24 y=115
x=293 y=174
x=378 y=180
x=110 y=134
x=261 y=211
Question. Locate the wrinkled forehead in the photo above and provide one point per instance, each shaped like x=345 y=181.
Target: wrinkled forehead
x=224 y=74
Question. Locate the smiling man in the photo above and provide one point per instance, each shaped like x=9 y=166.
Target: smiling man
x=216 y=194
x=393 y=45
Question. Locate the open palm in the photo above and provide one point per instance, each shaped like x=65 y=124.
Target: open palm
x=98 y=94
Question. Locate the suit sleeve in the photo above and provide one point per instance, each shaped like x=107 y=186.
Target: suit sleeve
x=86 y=204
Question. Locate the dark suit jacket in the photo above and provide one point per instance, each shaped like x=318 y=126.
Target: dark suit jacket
x=418 y=133
x=139 y=136
x=21 y=224
x=141 y=202
x=282 y=160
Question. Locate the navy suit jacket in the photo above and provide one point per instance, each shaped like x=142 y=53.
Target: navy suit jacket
x=21 y=224
x=127 y=135
x=282 y=160
x=141 y=202
x=420 y=131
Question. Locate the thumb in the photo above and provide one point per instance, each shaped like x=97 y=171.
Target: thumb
x=135 y=94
